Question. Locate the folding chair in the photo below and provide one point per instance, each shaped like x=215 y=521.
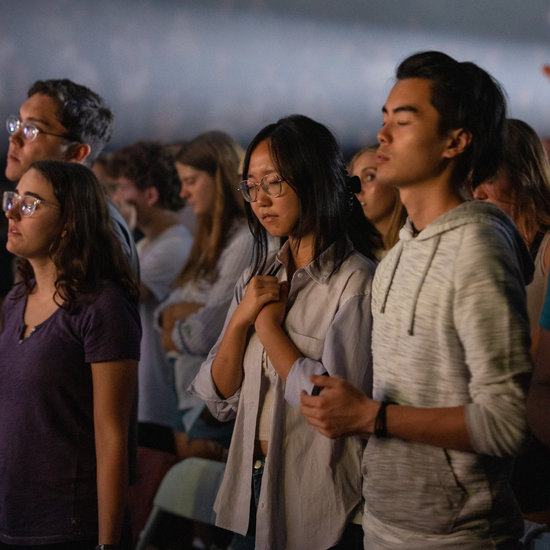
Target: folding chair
x=188 y=490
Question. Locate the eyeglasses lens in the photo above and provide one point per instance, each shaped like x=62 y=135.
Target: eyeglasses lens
x=29 y=130
x=251 y=192
x=12 y=124
x=26 y=203
x=273 y=186
x=7 y=201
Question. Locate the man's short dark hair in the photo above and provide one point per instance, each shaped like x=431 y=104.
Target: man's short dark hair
x=465 y=96
x=149 y=164
x=82 y=112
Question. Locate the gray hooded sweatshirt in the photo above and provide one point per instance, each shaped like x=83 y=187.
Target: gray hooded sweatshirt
x=450 y=329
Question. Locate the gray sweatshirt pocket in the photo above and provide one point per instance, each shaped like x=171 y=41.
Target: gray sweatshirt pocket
x=412 y=486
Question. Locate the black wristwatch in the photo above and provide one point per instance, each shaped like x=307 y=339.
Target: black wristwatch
x=107 y=547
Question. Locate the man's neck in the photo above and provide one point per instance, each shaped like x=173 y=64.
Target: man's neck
x=425 y=203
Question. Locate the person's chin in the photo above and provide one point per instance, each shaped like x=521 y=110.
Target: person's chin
x=14 y=170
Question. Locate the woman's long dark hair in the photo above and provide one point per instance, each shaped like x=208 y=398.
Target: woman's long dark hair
x=307 y=156
x=86 y=252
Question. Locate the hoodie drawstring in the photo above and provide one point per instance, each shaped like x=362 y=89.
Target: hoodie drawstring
x=421 y=283
x=388 y=288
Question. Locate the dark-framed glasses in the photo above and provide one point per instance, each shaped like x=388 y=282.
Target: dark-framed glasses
x=30 y=131
x=272 y=185
x=27 y=204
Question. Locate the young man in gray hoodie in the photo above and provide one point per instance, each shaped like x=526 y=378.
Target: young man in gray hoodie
x=450 y=329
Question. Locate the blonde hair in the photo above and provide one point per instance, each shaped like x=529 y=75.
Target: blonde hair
x=398 y=215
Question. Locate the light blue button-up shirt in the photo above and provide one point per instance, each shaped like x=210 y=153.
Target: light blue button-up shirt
x=311 y=485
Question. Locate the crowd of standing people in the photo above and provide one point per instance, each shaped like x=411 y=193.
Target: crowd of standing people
x=359 y=342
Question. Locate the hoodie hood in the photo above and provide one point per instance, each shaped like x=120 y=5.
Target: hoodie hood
x=476 y=212
x=479 y=212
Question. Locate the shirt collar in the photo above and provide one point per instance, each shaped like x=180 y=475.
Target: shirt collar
x=319 y=271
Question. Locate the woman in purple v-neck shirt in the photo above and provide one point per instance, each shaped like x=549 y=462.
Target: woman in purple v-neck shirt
x=69 y=349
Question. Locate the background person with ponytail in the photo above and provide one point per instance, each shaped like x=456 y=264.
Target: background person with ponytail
x=285 y=485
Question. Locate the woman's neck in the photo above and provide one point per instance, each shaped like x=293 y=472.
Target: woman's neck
x=45 y=275
x=301 y=251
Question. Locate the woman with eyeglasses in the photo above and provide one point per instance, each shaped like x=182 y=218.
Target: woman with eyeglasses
x=69 y=349
x=301 y=311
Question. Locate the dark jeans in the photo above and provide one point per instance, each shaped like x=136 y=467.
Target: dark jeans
x=247 y=542
x=352 y=538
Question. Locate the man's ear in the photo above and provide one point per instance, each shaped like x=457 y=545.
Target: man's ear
x=151 y=195
x=78 y=152
x=458 y=142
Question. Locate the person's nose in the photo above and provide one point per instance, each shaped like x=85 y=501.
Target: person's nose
x=17 y=137
x=184 y=192
x=383 y=134
x=262 y=198
x=14 y=212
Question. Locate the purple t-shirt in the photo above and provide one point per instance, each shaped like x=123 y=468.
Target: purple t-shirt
x=48 y=490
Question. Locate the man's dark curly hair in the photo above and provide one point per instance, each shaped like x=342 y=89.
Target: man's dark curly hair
x=150 y=164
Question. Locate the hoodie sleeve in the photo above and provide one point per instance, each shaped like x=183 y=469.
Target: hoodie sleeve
x=491 y=319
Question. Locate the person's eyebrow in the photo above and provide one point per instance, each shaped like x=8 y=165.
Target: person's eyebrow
x=31 y=194
x=266 y=173
x=35 y=119
x=401 y=109
x=368 y=168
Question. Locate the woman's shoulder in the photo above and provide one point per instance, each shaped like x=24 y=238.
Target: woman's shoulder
x=16 y=296
x=362 y=260
x=111 y=296
x=239 y=248
x=354 y=277
x=239 y=234
x=359 y=265
x=110 y=306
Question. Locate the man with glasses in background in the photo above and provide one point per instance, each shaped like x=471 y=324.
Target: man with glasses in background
x=62 y=120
